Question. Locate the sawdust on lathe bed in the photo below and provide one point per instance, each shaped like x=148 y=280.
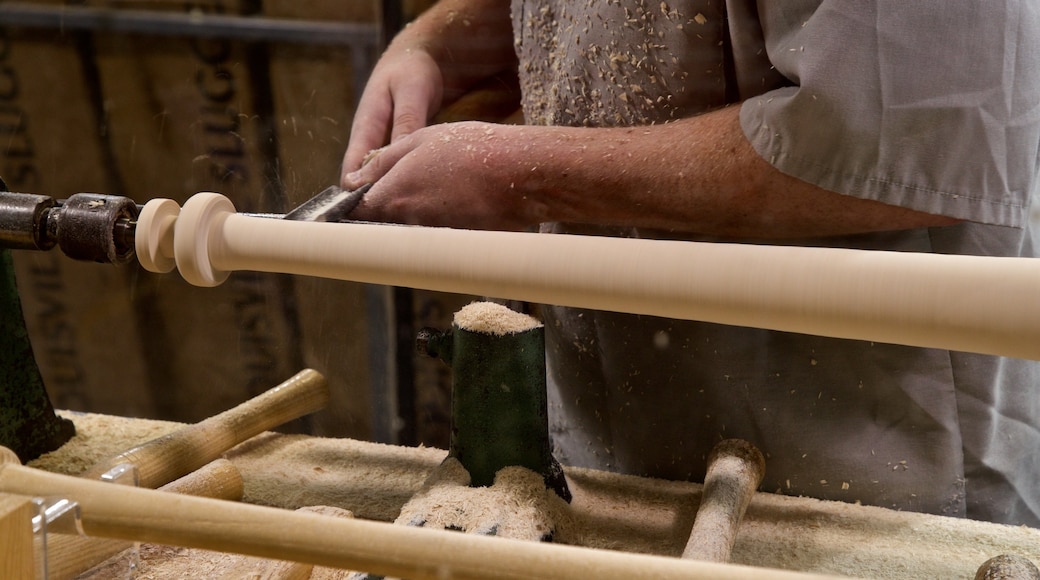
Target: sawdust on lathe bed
x=517 y=505
x=99 y=437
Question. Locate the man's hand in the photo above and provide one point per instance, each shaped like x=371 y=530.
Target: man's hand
x=452 y=47
x=403 y=92
x=465 y=175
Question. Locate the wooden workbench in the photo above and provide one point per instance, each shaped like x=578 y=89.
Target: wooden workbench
x=608 y=510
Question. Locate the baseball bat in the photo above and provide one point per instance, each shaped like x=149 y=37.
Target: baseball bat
x=967 y=303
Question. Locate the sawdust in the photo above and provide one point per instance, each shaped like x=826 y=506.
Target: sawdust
x=371 y=155
x=381 y=478
x=517 y=505
x=173 y=563
x=99 y=437
x=494 y=319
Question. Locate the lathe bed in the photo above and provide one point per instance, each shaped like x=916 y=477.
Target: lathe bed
x=608 y=511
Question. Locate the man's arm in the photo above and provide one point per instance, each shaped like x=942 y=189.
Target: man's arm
x=697 y=175
x=451 y=47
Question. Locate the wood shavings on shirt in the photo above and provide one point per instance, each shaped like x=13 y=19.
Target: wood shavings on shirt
x=580 y=62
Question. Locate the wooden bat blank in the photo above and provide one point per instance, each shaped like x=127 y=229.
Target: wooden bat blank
x=967 y=303
x=377 y=547
x=265 y=569
x=187 y=460
x=70 y=556
x=166 y=458
x=735 y=469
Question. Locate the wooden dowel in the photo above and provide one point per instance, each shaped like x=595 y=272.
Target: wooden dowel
x=381 y=548
x=265 y=569
x=70 y=556
x=187 y=460
x=166 y=458
x=735 y=469
x=218 y=479
x=907 y=298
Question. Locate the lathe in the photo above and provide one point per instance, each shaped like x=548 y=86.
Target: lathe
x=86 y=227
x=722 y=529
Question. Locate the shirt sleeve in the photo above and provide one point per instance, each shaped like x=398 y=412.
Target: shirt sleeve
x=930 y=105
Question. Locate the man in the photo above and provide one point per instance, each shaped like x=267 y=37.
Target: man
x=875 y=125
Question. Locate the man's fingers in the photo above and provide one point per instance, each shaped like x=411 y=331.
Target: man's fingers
x=416 y=99
x=374 y=165
x=405 y=110
x=353 y=159
x=407 y=120
x=369 y=129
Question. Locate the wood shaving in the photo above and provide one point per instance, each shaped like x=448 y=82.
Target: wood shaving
x=371 y=155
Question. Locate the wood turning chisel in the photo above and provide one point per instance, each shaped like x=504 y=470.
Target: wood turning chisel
x=333 y=204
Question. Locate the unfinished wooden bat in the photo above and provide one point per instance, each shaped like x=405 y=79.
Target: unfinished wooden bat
x=69 y=556
x=218 y=479
x=192 y=454
x=915 y=299
x=254 y=568
x=166 y=458
x=377 y=547
x=735 y=470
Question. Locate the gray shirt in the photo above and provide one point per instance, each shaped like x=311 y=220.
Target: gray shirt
x=927 y=105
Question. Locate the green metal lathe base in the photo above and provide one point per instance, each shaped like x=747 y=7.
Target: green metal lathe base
x=499 y=410
x=28 y=424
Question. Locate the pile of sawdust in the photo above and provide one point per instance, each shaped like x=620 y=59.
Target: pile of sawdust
x=517 y=505
x=495 y=319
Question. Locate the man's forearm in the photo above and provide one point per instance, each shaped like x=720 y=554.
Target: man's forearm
x=699 y=175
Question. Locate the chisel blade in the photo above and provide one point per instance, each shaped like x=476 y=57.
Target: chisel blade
x=333 y=204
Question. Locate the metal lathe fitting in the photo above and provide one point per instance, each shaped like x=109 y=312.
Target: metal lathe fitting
x=22 y=221
x=87 y=224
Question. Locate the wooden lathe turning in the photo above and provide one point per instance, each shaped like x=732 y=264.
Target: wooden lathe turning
x=914 y=299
